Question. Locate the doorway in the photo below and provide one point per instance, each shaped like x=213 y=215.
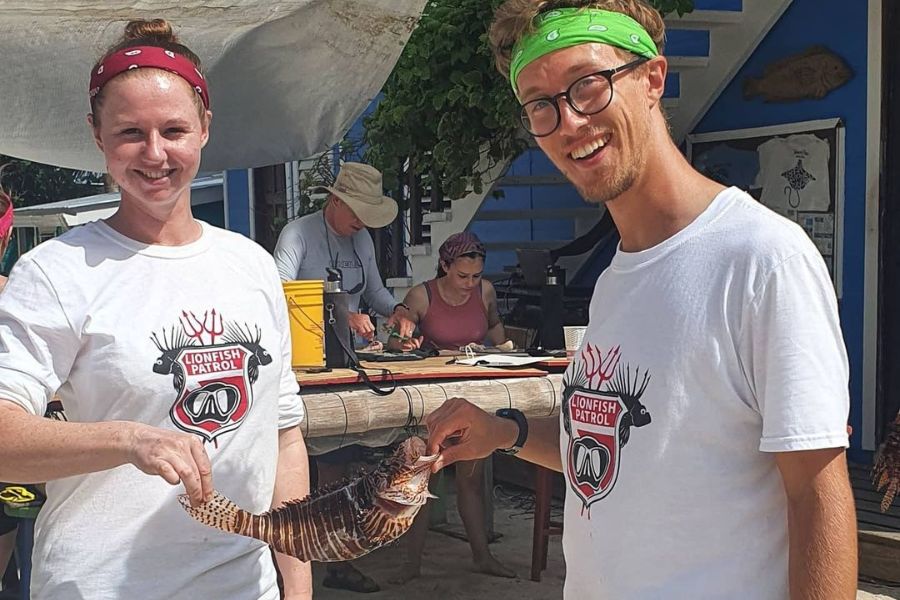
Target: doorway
x=888 y=397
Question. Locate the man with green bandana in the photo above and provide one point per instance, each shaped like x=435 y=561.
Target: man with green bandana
x=703 y=421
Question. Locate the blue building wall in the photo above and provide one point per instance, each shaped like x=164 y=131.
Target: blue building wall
x=842 y=27
x=718 y=4
x=237 y=200
x=532 y=162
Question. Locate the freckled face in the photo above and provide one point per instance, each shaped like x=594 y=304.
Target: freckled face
x=151 y=134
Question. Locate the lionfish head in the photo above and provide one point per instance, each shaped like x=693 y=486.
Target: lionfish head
x=403 y=478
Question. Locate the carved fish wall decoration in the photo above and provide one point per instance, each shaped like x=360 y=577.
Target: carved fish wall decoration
x=810 y=74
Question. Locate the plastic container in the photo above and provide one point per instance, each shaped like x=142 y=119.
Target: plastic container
x=305 y=314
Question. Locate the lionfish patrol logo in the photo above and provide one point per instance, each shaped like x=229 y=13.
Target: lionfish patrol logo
x=601 y=403
x=214 y=365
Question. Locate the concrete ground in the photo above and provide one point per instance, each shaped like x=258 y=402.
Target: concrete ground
x=875 y=592
x=447 y=572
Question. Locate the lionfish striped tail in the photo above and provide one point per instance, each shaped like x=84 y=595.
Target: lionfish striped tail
x=219 y=512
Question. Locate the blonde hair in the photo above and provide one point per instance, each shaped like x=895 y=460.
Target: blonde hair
x=514 y=18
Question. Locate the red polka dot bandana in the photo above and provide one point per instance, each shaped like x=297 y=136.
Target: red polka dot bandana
x=152 y=57
x=459 y=244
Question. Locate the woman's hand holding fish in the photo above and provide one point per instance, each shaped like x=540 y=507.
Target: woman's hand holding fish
x=459 y=430
x=174 y=456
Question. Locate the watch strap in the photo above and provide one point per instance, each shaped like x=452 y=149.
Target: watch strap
x=518 y=416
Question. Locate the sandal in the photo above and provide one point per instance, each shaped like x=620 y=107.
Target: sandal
x=350 y=579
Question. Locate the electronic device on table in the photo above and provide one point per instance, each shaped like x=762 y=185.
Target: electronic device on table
x=533 y=264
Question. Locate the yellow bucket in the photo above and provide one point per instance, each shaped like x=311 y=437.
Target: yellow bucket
x=306 y=316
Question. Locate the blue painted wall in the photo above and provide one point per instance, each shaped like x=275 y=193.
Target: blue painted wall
x=718 y=4
x=842 y=27
x=533 y=162
x=237 y=204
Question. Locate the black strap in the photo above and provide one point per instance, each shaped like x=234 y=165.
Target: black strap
x=386 y=373
x=361 y=371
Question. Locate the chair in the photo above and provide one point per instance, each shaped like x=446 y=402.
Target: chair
x=544 y=527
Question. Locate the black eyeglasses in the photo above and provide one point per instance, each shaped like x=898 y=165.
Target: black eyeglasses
x=587 y=95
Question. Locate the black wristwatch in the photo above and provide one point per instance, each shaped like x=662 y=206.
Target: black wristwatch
x=398 y=305
x=517 y=416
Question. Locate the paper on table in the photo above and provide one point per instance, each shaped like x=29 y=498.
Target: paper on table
x=499 y=360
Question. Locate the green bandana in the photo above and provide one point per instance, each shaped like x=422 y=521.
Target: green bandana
x=566 y=27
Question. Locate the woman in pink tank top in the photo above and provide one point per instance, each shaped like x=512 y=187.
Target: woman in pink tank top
x=452 y=310
x=457 y=307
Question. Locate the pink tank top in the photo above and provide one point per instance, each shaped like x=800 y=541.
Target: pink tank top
x=450 y=327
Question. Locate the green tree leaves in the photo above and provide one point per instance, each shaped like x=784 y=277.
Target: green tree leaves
x=31 y=183
x=445 y=106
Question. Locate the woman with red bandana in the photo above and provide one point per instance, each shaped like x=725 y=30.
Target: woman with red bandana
x=455 y=309
x=167 y=341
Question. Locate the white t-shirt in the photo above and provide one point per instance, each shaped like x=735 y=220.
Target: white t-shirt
x=793 y=173
x=192 y=338
x=704 y=355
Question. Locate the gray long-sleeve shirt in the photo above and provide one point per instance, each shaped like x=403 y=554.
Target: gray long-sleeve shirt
x=307 y=246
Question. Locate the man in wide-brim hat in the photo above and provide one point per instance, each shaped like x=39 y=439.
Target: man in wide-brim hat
x=336 y=237
x=359 y=187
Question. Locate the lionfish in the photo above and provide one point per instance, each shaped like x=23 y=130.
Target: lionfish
x=339 y=522
x=886 y=472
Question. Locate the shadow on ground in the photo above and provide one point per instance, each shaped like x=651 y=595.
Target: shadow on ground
x=447 y=572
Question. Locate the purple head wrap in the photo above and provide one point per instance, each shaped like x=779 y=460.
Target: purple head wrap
x=460 y=244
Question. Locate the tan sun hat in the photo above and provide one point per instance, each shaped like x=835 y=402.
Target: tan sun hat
x=359 y=186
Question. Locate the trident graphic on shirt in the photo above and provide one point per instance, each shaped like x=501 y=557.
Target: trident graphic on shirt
x=213 y=380
x=601 y=403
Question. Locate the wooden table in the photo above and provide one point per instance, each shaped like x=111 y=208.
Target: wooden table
x=340 y=410
x=428 y=369
x=553 y=364
x=339 y=405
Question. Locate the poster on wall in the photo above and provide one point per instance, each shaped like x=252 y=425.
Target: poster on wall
x=796 y=169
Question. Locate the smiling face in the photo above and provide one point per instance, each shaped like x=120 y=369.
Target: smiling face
x=601 y=154
x=151 y=134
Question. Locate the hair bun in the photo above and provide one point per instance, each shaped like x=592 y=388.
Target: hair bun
x=157 y=30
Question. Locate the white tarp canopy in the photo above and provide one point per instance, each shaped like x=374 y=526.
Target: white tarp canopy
x=287 y=78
